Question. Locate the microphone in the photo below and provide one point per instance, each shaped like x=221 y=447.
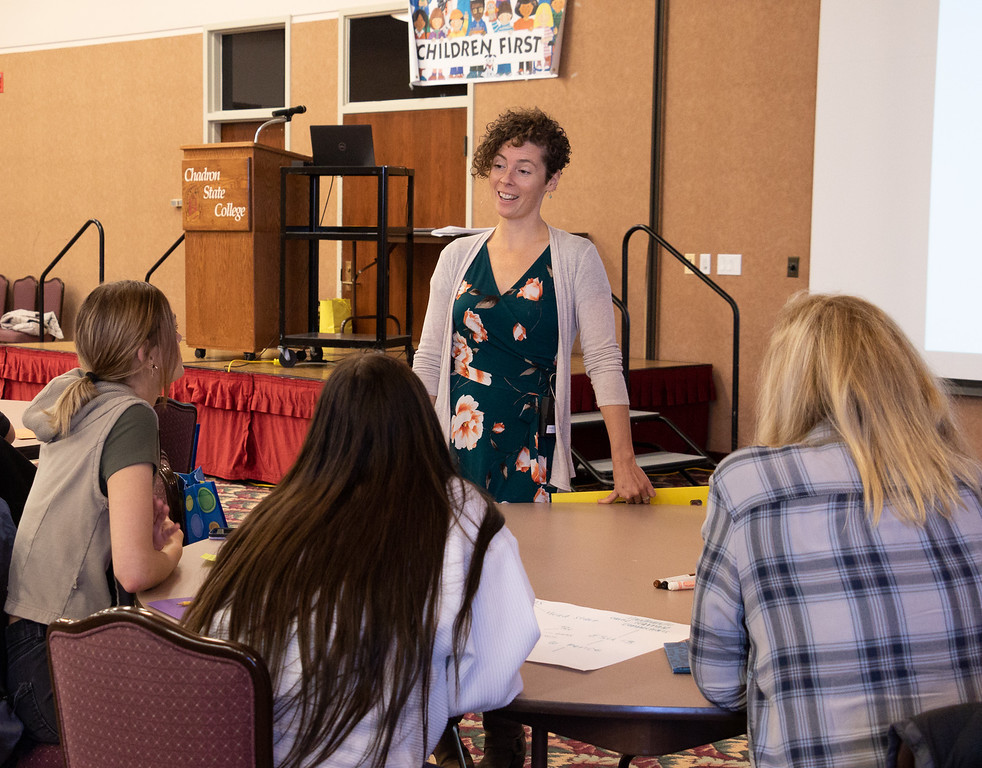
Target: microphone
x=288 y=113
x=280 y=116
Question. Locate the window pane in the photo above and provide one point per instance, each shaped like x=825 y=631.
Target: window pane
x=253 y=69
x=378 y=62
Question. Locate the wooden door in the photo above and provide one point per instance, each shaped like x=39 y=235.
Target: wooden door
x=433 y=142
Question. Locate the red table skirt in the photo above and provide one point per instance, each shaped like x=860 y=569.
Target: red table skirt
x=252 y=425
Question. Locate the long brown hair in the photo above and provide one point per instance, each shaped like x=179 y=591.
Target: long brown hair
x=113 y=323
x=348 y=552
x=842 y=361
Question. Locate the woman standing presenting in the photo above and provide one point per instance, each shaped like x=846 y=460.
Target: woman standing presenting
x=91 y=528
x=504 y=310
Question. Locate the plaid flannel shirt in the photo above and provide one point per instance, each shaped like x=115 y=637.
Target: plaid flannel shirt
x=825 y=628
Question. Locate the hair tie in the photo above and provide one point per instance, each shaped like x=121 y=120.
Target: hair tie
x=92 y=377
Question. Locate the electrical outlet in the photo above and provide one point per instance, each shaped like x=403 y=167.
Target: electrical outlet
x=706 y=263
x=792 y=266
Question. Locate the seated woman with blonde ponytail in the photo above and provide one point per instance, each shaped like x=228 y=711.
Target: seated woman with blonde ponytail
x=91 y=530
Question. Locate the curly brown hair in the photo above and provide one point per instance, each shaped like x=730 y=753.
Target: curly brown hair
x=517 y=126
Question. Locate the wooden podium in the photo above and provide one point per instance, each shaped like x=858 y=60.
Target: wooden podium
x=231 y=212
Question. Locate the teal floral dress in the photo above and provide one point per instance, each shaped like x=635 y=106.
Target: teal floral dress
x=504 y=356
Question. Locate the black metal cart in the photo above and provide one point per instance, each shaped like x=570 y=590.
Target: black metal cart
x=385 y=238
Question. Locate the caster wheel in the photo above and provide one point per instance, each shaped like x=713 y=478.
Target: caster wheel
x=199 y=353
x=317 y=354
x=288 y=358
x=301 y=355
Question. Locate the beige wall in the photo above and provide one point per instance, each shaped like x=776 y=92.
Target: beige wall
x=314 y=83
x=314 y=78
x=739 y=139
x=95 y=132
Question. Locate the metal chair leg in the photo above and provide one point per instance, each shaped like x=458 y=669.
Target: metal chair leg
x=459 y=745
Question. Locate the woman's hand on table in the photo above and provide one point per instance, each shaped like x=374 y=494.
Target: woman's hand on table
x=630 y=481
x=630 y=484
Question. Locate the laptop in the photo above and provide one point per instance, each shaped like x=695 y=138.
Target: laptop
x=342 y=145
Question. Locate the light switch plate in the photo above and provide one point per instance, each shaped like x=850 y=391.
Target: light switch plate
x=728 y=263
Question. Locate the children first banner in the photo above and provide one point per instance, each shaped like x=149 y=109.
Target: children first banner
x=484 y=40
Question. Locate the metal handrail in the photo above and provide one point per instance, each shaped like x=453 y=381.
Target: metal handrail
x=726 y=297
x=163 y=258
x=625 y=339
x=44 y=275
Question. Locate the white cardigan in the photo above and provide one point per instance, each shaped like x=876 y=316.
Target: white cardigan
x=583 y=302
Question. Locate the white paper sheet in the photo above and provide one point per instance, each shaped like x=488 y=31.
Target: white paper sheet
x=587 y=638
x=454 y=231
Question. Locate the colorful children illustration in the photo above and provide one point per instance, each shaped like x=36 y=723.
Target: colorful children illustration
x=525 y=10
x=543 y=28
x=516 y=31
x=479 y=28
x=421 y=24
x=437 y=25
x=477 y=25
x=491 y=14
x=437 y=32
x=504 y=15
x=525 y=22
x=558 y=6
x=458 y=23
x=458 y=28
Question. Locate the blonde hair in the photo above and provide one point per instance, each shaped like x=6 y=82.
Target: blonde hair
x=113 y=323
x=842 y=361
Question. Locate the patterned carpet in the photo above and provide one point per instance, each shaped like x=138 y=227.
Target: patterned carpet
x=731 y=753
x=237 y=499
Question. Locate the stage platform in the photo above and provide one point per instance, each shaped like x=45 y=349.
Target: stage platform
x=254 y=414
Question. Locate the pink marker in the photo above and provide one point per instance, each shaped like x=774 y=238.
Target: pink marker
x=674 y=586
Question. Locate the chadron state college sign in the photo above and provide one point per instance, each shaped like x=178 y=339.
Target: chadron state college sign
x=215 y=195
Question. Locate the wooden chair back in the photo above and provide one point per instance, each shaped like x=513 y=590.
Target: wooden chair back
x=135 y=689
